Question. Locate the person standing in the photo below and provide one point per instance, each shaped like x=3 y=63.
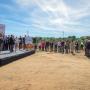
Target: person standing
x=72 y=47
x=43 y=45
x=23 y=43
x=76 y=47
x=82 y=46
x=55 y=46
x=5 y=43
x=47 y=46
x=67 y=47
x=51 y=46
x=62 y=47
x=1 y=44
x=58 y=45
x=8 y=42
x=87 y=48
x=20 y=43
x=39 y=46
x=16 y=44
x=11 y=43
x=28 y=42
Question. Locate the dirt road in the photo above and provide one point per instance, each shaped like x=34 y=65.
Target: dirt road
x=47 y=71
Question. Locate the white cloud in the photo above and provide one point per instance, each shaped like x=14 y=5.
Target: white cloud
x=23 y=2
x=59 y=15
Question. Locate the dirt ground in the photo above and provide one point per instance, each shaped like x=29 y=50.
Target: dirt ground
x=47 y=71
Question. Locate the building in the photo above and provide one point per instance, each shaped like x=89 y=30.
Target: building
x=2 y=30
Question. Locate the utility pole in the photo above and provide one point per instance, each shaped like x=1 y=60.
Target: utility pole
x=63 y=35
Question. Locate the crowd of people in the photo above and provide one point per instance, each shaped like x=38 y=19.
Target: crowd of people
x=64 y=46
x=13 y=43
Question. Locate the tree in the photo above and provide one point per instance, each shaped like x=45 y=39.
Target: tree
x=72 y=37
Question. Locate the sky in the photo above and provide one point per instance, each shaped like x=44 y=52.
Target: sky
x=46 y=18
